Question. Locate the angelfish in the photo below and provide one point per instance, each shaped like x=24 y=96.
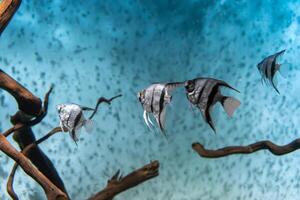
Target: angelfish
x=268 y=67
x=72 y=119
x=154 y=99
x=204 y=93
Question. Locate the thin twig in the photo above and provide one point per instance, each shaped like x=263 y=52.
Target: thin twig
x=103 y=100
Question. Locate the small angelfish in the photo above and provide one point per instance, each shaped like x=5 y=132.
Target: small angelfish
x=72 y=119
x=154 y=99
x=204 y=93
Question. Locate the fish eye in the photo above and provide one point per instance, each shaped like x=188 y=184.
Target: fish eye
x=190 y=86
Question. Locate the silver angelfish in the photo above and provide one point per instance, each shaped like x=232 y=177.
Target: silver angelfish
x=204 y=93
x=268 y=68
x=154 y=99
x=72 y=119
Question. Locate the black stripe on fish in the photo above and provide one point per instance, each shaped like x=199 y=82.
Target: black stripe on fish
x=266 y=69
x=273 y=71
x=76 y=122
x=161 y=107
x=270 y=63
x=201 y=91
x=74 y=137
x=152 y=98
x=210 y=101
x=68 y=121
x=77 y=119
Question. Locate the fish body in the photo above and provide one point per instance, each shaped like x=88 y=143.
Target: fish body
x=154 y=99
x=204 y=93
x=72 y=119
x=268 y=68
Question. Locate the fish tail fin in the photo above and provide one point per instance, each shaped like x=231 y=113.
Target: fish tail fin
x=89 y=125
x=230 y=104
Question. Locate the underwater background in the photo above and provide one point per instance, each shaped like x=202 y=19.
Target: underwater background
x=99 y=48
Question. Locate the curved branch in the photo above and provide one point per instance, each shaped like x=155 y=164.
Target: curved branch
x=103 y=100
x=10 y=183
x=20 y=124
x=25 y=151
x=118 y=184
x=257 y=146
x=51 y=191
x=29 y=106
x=7 y=11
x=28 y=103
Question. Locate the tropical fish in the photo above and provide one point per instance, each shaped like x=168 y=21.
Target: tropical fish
x=268 y=68
x=204 y=93
x=72 y=119
x=154 y=100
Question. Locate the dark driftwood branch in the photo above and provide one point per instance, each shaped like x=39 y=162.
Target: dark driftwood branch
x=30 y=106
x=103 y=100
x=7 y=11
x=29 y=147
x=18 y=117
x=261 y=145
x=51 y=191
x=118 y=184
x=25 y=151
x=27 y=102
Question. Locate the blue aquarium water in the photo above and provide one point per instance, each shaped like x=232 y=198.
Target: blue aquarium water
x=94 y=48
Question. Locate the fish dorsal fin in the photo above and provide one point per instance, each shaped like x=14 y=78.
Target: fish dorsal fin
x=84 y=108
x=171 y=86
x=223 y=83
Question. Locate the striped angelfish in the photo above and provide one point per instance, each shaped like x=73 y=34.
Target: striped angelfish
x=72 y=119
x=268 y=68
x=204 y=93
x=154 y=100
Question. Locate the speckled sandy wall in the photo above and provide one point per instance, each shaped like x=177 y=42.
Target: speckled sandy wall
x=102 y=48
